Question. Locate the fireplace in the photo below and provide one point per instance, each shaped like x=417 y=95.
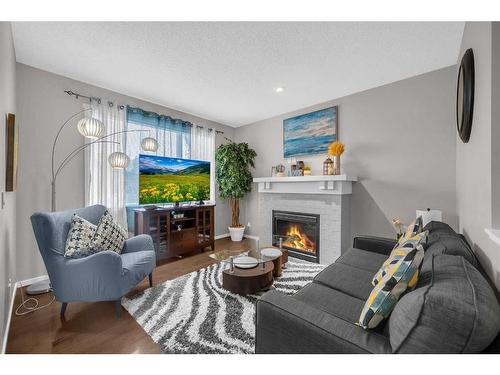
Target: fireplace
x=300 y=233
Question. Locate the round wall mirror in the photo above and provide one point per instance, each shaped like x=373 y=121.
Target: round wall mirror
x=465 y=95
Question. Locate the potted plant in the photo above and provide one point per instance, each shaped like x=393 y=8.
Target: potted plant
x=234 y=179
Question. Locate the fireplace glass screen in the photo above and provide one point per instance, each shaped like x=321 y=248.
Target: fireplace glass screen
x=299 y=233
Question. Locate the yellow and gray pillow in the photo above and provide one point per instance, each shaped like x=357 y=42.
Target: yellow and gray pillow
x=414 y=228
x=401 y=274
x=398 y=253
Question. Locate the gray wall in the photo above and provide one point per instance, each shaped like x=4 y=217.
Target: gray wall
x=495 y=124
x=475 y=163
x=42 y=107
x=8 y=213
x=400 y=142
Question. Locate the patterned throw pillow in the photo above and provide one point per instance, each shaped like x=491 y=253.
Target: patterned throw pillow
x=79 y=238
x=398 y=253
x=108 y=235
x=400 y=276
x=414 y=228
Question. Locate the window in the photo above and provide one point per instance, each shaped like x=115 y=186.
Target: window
x=175 y=138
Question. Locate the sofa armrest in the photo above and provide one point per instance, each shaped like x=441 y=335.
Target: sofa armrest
x=379 y=245
x=93 y=278
x=141 y=242
x=287 y=325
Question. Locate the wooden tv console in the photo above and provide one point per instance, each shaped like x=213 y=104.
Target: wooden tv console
x=175 y=237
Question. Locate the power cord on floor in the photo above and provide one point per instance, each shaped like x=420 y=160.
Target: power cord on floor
x=34 y=304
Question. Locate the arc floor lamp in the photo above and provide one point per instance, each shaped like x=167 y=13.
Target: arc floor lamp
x=93 y=129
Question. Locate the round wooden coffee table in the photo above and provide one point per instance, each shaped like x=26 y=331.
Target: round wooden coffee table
x=248 y=281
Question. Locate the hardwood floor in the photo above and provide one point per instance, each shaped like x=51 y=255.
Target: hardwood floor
x=91 y=327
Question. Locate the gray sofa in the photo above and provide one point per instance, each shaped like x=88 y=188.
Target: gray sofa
x=453 y=309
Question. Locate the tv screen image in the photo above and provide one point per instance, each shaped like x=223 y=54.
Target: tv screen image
x=172 y=180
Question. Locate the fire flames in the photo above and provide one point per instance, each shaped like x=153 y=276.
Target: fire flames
x=299 y=240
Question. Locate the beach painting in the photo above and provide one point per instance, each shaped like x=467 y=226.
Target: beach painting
x=310 y=133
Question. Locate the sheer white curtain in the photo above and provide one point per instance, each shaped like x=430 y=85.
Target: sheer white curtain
x=104 y=184
x=203 y=148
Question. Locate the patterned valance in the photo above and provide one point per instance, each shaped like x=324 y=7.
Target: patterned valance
x=139 y=115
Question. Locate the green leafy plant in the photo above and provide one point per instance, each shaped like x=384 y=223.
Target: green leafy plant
x=233 y=176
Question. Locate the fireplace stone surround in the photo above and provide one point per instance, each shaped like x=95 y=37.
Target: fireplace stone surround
x=329 y=197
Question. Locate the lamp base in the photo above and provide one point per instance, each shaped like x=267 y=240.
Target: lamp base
x=40 y=287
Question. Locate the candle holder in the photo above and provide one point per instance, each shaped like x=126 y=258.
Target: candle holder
x=328 y=167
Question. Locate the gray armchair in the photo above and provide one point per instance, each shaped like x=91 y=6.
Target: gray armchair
x=104 y=276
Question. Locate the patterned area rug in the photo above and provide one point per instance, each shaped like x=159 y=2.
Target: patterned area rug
x=194 y=314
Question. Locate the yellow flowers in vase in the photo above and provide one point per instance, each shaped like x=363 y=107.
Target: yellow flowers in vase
x=336 y=149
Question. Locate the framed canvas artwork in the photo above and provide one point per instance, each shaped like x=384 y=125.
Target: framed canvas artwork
x=310 y=133
x=12 y=148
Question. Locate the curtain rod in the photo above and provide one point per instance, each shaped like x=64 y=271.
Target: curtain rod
x=98 y=100
x=210 y=129
x=77 y=96
x=90 y=98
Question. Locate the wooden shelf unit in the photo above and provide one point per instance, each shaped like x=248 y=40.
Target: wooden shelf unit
x=175 y=237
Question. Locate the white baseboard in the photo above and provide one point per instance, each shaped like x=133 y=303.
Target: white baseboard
x=17 y=285
x=9 y=316
x=33 y=280
x=255 y=238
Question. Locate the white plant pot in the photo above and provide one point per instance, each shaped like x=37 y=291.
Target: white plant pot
x=236 y=233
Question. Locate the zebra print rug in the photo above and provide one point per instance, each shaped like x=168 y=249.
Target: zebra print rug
x=194 y=314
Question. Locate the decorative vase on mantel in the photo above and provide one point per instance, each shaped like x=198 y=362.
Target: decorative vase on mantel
x=336 y=164
x=335 y=150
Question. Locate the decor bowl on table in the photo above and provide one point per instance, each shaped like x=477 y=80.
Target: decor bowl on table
x=246 y=262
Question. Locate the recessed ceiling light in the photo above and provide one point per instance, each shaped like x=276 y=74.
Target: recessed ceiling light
x=279 y=89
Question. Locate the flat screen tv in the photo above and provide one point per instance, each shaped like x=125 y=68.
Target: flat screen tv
x=172 y=180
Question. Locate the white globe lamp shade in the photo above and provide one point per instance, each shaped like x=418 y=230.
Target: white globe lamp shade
x=118 y=160
x=149 y=144
x=91 y=128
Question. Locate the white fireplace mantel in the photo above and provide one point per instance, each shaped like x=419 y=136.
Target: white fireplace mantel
x=336 y=185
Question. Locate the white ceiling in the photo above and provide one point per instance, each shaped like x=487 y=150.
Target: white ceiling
x=227 y=72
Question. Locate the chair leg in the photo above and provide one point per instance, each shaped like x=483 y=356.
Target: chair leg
x=150 y=276
x=64 y=305
x=118 y=308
